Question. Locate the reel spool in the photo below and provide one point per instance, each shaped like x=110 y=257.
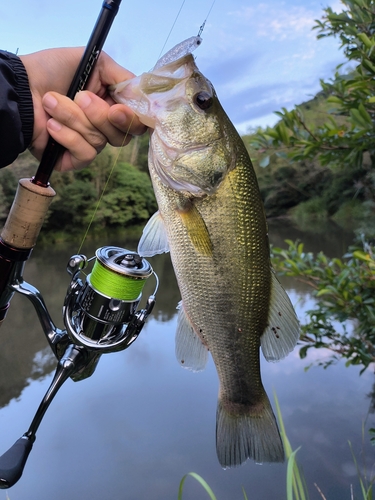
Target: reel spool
x=101 y=314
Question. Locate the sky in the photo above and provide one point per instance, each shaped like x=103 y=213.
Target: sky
x=259 y=55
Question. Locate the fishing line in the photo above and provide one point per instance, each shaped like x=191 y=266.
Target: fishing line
x=170 y=31
x=118 y=286
x=204 y=22
x=120 y=149
x=105 y=187
x=127 y=133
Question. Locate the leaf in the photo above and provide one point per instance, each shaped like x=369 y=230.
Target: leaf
x=359 y=254
x=366 y=41
x=265 y=161
x=372 y=434
x=334 y=99
x=303 y=351
x=325 y=291
x=368 y=65
x=283 y=133
x=359 y=119
x=365 y=115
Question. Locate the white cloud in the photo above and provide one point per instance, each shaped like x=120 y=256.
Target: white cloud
x=275 y=22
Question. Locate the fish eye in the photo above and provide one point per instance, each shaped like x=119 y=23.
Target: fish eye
x=203 y=100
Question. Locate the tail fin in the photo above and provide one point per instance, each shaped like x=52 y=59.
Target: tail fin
x=255 y=436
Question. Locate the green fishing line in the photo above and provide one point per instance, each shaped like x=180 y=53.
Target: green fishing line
x=115 y=285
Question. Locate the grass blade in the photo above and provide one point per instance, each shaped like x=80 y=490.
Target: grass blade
x=290 y=479
x=200 y=480
x=244 y=493
x=295 y=482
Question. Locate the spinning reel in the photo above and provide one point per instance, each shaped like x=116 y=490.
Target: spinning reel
x=100 y=315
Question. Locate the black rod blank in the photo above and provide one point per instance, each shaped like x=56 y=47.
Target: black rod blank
x=95 y=44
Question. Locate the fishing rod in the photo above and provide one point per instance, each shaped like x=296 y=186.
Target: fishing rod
x=33 y=196
x=100 y=312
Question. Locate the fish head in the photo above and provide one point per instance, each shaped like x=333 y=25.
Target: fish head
x=190 y=145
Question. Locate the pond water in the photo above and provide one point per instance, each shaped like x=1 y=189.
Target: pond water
x=141 y=422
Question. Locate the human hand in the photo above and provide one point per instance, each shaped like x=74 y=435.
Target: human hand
x=82 y=126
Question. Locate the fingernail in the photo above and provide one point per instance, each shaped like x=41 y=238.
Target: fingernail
x=119 y=117
x=49 y=101
x=54 y=125
x=82 y=99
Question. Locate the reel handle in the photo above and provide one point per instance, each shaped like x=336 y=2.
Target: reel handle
x=13 y=461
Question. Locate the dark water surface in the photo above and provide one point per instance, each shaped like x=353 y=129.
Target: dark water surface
x=141 y=422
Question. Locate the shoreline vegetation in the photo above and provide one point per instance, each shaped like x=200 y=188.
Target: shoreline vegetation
x=315 y=165
x=117 y=187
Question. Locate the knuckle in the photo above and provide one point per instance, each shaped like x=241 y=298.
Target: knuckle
x=97 y=140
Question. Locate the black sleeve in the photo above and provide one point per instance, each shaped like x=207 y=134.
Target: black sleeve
x=16 y=108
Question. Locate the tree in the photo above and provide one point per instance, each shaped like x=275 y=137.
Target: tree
x=107 y=194
x=129 y=200
x=347 y=136
x=344 y=142
x=69 y=209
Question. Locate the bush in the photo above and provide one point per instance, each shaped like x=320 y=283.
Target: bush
x=344 y=290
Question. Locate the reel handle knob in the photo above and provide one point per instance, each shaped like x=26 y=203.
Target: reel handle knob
x=13 y=461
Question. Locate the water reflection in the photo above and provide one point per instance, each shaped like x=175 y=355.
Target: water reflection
x=322 y=236
x=141 y=422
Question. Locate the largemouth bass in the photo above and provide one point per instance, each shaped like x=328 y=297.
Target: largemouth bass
x=211 y=218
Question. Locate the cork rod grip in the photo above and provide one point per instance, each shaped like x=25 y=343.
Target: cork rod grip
x=27 y=214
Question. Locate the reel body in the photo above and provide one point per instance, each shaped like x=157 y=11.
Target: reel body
x=101 y=314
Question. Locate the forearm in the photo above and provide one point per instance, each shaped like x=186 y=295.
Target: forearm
x=16 y=108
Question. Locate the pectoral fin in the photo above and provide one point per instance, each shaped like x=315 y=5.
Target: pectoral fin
x=196 y=228
x=154 y=237
x=283 y=330
x=190 y=351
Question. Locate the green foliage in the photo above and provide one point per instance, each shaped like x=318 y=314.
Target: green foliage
x=111 y=193
x=295 y=482
x=8 y=186
x=345 y=139
x=68 y=210
x=314 y=208
x=129 y=200
x=366 y=478
x=344 y=290
x=108 y=194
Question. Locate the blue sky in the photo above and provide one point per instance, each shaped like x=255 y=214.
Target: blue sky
x=260 y=55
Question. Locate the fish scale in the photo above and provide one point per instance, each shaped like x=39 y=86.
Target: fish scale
x=211 y=219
